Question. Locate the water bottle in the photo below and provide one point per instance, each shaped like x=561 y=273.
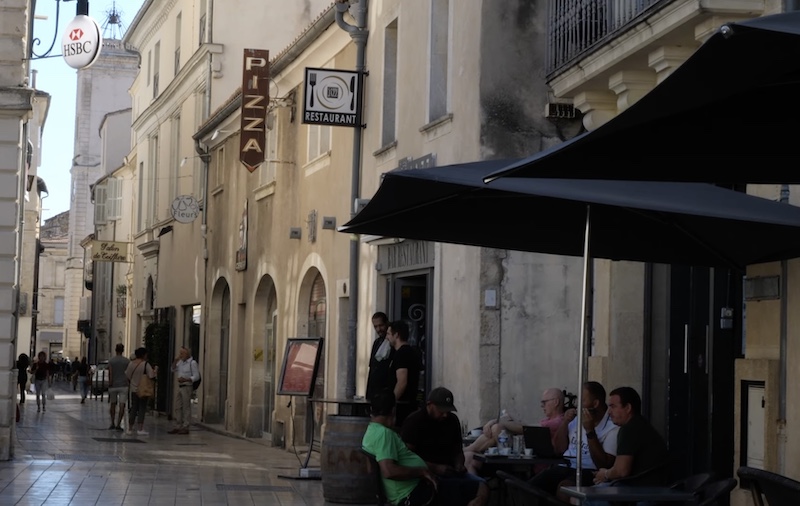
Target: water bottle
x=502 y=441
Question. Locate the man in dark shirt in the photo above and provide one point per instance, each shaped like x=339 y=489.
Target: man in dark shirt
x=434 y=433
x=380 y=357
x=639 y=446
x=403 y=370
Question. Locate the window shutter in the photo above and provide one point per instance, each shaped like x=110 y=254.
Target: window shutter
x=100 y=204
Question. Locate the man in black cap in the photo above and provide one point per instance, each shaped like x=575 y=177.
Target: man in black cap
x=434 y=433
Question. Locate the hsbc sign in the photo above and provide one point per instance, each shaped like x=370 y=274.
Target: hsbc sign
x=81 y=42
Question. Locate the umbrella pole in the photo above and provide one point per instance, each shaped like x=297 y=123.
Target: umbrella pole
x=582 y=347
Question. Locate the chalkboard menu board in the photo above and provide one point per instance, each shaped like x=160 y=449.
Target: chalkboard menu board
x=300 y=365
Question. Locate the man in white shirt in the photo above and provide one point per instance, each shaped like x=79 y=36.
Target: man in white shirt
x=187 y=372
x=599 y=443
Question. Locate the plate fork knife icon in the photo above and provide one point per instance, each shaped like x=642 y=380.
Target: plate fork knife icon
x=312 y=80
x=352 y=94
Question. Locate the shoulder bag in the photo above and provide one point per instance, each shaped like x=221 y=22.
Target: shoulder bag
x=145 y=388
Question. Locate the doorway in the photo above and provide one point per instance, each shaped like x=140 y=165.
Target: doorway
x=701 y=349
x=409 y=300
x=269 y=374
x=224 y=342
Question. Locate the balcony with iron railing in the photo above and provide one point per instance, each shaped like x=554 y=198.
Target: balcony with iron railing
x=578 y=27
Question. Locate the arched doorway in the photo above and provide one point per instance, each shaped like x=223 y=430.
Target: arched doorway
x=313 y=313
x=265 y=323
x=219 y=342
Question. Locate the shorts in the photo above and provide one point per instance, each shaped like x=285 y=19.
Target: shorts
x=118 y=395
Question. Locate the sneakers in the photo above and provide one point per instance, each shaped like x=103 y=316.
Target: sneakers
x=142 y=433
x=183 y=431
x=112 y=427
x=119 y=428
x=83 y=401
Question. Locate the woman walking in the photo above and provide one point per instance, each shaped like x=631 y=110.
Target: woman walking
x=23 y=362
x=82 y=373
x=41 y=373
x=137 y=369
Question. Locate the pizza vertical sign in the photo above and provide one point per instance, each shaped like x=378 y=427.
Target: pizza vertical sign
x=255 y=99
x=332 y=97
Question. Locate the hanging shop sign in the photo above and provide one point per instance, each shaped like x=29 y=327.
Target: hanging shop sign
x=185 y=209
x=255 y=99
x=332 y=97
x=109 y=251
x=81 y=42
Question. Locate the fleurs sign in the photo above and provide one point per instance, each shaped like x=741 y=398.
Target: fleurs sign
x=185 y=209
x=255 y=98
x=332 y=98
x=81 y=42
x=109 y=251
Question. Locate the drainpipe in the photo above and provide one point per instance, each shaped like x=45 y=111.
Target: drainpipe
x=782 y=381
x=359 y=34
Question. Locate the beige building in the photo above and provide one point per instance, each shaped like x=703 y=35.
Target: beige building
x=54 y=238
x=191 y=58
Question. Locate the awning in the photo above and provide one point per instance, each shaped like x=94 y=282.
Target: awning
x=727 y=115
x=683 y=223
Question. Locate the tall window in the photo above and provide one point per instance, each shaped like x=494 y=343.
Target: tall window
x=58 y=310
x=156 y=66
x=319 y=141
x=219 y=171
x=266 y=173
x=440 y=32
x=388 y=133
x=317 y=318
x=177 y=44
x=60 y=277
x=149 y=66
x=175 y=158
x=152 y=182
x=202 y=30
x=199 y=179
x=140 y=214
x=113 y=198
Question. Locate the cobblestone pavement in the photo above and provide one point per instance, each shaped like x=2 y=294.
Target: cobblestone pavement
x=67 y=455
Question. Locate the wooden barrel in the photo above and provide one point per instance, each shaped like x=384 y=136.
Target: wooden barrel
x=345 y=470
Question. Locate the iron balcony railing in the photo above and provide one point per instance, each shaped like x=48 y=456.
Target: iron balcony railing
x=577 y=27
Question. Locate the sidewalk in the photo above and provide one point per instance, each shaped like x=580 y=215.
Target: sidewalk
x=67 y=456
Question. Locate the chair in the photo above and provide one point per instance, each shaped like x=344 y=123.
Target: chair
x=712 y=493
x=693 y=483
x=519 y=493
x=651 y=476
x=375 y=469
x=778 y=490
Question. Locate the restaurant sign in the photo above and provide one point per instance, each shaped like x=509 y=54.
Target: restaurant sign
x=255 y=99
x=332 y=97
x=109 y=251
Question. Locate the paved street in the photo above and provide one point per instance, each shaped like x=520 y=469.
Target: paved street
x=68 y=456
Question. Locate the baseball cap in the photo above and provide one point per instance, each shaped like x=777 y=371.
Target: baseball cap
x=442 y=398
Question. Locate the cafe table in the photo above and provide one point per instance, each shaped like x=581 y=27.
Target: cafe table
x=623 y=494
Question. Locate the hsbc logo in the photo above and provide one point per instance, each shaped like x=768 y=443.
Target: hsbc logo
x=81 y=42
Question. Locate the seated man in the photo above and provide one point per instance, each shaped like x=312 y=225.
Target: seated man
x=598 y=444
x=407 y=481
x=434 y=433
x=552 y=403
x=639 y=446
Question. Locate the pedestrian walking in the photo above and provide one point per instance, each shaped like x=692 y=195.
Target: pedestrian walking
x=74 y=373
x=117 y=386
x=83 y=374
x=140 y=374
x=41 y=375
x=23 y=362
x=187 y=372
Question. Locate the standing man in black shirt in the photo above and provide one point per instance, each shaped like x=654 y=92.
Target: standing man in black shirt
x=403 y=370
x=380 y=357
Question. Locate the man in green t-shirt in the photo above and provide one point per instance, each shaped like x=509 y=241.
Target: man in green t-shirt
x=406 y=478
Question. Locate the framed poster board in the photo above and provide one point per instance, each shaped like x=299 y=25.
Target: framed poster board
x=300 y=366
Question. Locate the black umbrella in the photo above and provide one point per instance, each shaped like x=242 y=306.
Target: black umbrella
x=726 y=115
x=689 y=223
